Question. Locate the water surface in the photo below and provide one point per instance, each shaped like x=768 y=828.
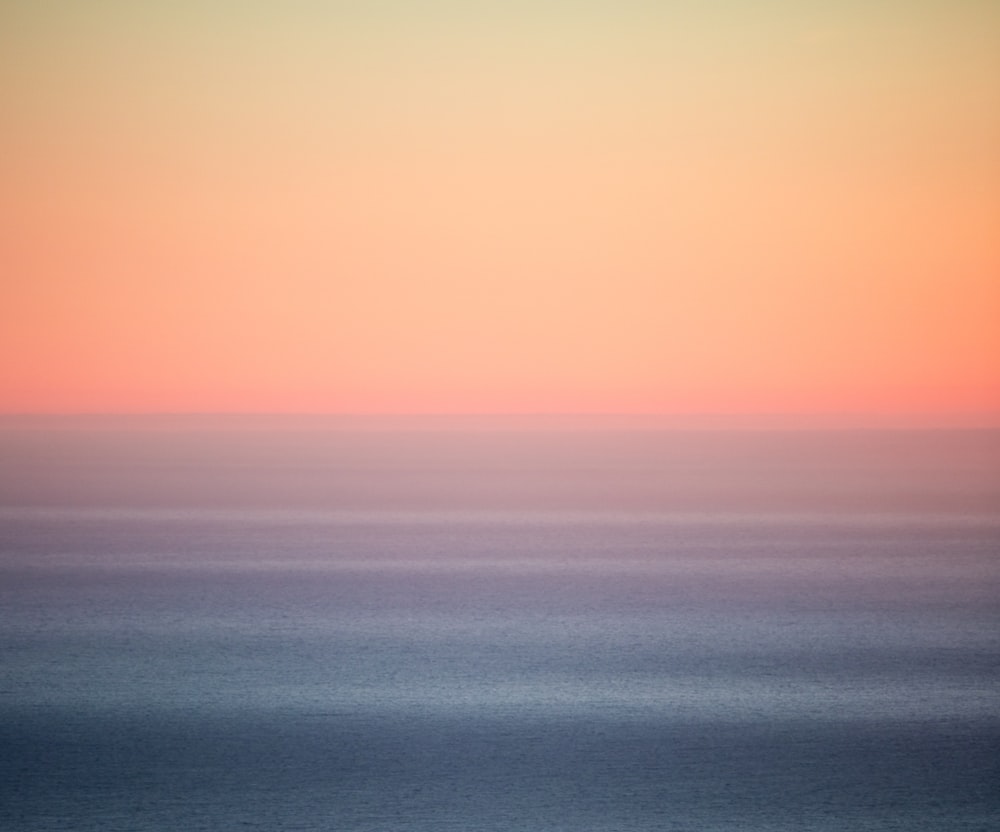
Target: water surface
x=329 y=627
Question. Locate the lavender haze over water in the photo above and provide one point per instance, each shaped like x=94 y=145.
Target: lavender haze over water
x=283 y=624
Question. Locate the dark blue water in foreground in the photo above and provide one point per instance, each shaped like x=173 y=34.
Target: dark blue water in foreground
x=311 y=629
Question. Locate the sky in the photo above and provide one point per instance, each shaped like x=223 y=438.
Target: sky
x=406 y=206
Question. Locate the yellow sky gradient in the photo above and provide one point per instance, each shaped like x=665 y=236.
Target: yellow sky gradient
x=407 y=207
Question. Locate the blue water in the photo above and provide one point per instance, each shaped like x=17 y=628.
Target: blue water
x=234 y=627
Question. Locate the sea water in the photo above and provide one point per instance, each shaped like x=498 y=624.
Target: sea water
x=319 y=626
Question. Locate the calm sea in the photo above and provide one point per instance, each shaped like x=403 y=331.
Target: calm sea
x=325 y=626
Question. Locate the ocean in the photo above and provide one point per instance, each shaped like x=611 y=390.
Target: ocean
x=267 y=624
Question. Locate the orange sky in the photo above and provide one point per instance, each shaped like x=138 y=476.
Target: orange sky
x=729 y=208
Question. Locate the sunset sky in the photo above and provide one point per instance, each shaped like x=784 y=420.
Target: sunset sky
x=406 y=206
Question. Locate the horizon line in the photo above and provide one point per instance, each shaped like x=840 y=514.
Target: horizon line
x=789 y=420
